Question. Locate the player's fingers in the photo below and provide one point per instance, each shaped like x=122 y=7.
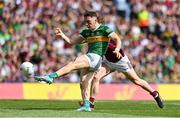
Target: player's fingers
x=117 y=54
x=58 y=30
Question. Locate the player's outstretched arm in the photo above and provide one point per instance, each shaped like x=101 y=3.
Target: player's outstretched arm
x=60 y=34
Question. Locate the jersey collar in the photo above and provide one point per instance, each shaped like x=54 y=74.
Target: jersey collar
x=97 y=27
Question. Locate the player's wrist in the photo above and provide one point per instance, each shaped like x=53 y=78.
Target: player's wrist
x=63 y=36
x=117 y=49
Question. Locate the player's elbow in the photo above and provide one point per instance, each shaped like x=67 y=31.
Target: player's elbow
x=114 y=36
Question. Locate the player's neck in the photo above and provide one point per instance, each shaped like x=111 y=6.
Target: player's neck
x=96 y=26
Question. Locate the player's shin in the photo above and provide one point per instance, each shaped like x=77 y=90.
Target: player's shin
x=94 y=89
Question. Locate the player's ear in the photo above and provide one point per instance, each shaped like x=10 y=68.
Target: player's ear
x=96 y=19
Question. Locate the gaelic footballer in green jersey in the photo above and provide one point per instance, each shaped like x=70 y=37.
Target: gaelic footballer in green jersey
x=98 y=39
x=97 y=36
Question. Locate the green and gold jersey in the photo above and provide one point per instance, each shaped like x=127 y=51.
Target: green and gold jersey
x=97 y=40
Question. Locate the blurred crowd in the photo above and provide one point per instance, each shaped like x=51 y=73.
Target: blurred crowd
x=149 y=29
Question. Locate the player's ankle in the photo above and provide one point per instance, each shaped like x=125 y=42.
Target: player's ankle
x=53 y=75
x=86 y=103
x=154 y=94
x=91 y=99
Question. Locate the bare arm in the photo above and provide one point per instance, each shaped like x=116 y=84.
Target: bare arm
x=115 y=37
x=60 y=34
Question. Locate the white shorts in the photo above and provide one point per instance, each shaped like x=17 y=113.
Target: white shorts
x=123 y=65
x=95 y=61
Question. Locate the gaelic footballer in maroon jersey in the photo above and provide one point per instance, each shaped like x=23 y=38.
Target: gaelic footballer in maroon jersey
x=110 y=56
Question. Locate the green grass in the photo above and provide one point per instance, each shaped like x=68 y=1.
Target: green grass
x=45 y=108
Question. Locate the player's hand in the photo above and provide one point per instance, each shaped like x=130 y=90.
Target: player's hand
x=118 y=54
x=59 y=33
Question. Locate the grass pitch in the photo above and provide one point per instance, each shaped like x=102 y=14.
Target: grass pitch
x=103 y=109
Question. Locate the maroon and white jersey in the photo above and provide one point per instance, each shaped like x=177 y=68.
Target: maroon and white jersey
x=122 y=65
x=110 y=56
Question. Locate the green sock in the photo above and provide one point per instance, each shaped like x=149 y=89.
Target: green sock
x=86 y=103
x=53 y=75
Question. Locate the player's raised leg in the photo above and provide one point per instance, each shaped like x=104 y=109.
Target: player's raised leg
x=78 y=63
x=131 y=75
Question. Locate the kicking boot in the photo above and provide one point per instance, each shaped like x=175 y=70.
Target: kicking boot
x=91 y=105
x=158 y=99
x=85 y=107
x=44 y=78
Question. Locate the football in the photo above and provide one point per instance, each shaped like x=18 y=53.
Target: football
x=27 y=68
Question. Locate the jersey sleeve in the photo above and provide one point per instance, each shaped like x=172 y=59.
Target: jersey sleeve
x=108 y=31
x=83 y=34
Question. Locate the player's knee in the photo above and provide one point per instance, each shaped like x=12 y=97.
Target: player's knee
x=96 y=78
x=81 y=86
x=87 y=82
x=84 y=82
x=71 y=66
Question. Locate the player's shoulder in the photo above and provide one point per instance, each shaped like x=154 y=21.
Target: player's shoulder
x=85 y=32
x=85 y=29
x=104 y=26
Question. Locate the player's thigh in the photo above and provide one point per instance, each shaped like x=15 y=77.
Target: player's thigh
x=102 y=72
x=81 y=62
x=131 y=75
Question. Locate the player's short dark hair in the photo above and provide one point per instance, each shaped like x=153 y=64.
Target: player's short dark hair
x=94 y=14
x=90 y=13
